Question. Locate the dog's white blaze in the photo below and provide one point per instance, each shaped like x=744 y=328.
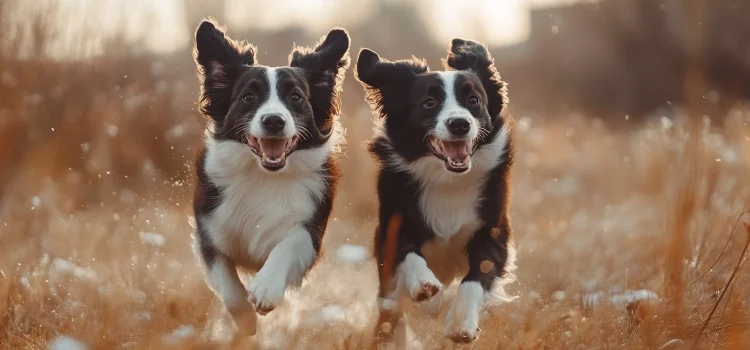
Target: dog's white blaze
x=261 y=213
x=273 y=105
x=464 y=313
x=451 y=109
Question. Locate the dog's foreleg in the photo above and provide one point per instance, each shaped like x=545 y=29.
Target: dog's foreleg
x=286 y=266
x=488 y=257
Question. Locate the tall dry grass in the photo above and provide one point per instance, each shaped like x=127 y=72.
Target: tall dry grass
x=628 y=238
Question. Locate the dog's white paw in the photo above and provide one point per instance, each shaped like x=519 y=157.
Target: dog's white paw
x=425 y=288
x=420 y=281
x=463 y=336
x=266 y=292
x=462 y=328
x=462 y=321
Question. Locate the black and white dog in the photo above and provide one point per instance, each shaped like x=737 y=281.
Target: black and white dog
x=267 y=173
x=445 y=151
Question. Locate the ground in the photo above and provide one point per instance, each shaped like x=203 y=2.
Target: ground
x=626 y=238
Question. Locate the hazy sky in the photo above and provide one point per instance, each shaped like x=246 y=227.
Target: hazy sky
x=497 y=22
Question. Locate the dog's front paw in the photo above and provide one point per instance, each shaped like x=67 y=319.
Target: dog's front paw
x=425 y=289
x=266 y=292
x=420 y=280
x=463 y=336
x=462 y=322
x=461 y=328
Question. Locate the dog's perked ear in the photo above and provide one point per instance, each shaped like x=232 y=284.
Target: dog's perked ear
x=383 y=79
x=325 y=65
x=473 y=56
x=219 y=59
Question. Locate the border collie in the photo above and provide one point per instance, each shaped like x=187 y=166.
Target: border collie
x=445 y=151
x=267 y=172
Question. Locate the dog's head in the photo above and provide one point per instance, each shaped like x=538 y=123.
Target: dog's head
x=273 y=110
x=447 y=114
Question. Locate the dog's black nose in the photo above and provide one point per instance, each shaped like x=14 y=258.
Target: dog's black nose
x=273 y=123
x=458 y=126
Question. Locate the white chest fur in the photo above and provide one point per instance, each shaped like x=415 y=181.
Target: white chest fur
x=449 y=202
x=258 y=209
x=450 y=208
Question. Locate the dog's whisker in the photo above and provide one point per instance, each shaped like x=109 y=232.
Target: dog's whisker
x=303 y=133
x=430 y=133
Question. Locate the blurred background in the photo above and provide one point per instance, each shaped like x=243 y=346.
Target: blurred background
x=632 y=164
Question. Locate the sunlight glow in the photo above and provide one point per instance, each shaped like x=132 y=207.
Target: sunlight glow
x=160 y=26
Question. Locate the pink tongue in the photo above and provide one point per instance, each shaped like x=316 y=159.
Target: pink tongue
x=272 y=148
x=456 y=150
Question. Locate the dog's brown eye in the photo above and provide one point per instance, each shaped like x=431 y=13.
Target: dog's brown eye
x=473 y=100
x=295 y=97
x=247 y=98
x=429 y=102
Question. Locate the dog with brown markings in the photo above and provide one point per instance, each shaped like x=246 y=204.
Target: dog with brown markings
x=445 y=150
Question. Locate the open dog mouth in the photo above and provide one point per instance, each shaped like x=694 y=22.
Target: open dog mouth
x=272 y=150
x=455 y=153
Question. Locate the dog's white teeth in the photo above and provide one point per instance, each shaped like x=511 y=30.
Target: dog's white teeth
x=266 y=159
x=456 y=163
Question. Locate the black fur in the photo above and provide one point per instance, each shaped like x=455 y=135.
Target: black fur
x=325 y=74
x=220 y=60
x=206 y=199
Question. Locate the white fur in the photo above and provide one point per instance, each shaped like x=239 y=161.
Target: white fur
x=286 y=266
x=259 y=219
x=463 y=317
x=413 y=274
x=273 y=105
x=452 y=109
x=497 y=293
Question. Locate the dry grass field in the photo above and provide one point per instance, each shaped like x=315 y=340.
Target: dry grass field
x=632 y=237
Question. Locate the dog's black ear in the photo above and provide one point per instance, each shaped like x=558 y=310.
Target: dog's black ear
x=325 y=66
x=378 y=72
x=331 y=55
x=384 y=80
x=218 y=58
x=473 y=56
